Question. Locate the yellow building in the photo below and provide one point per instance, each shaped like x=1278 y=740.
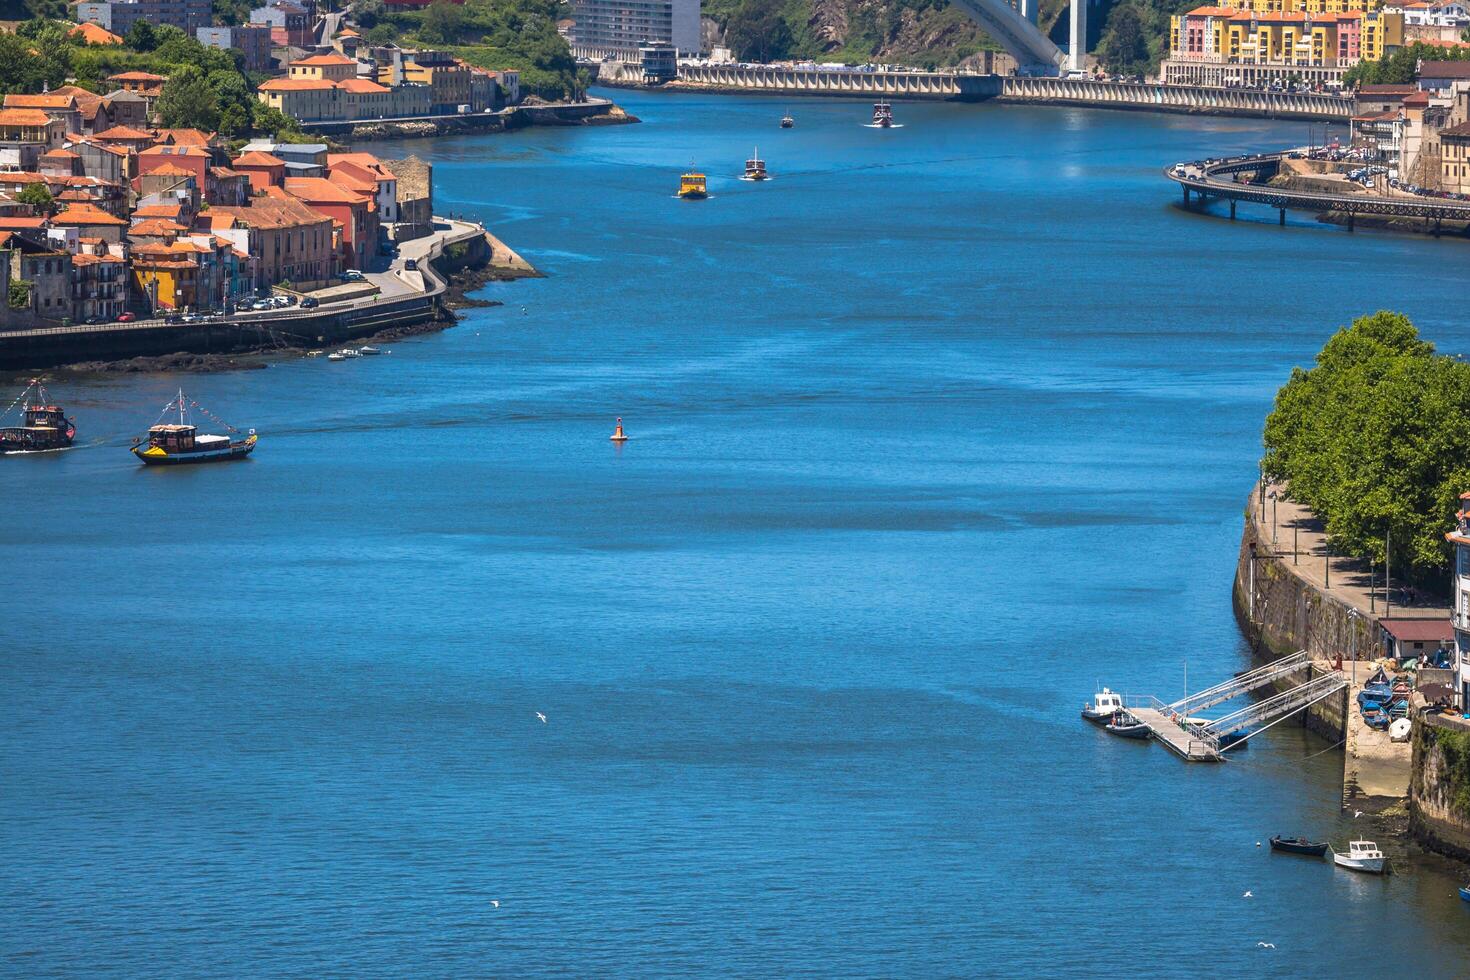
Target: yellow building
x=1260 y=42
x=448 y=81
x=324 y=68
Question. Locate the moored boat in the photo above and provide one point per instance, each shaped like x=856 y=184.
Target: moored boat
x=755 y=167
x=1362 y=855
x=181 y=442
x=336 y=355
x=1125 y=725
x=1298 y=845
x=43 y=427
x=1103 y=706
x=882 y=115
x=692 y=187
x=787 y=122
x=1465 y=893
x=369 y=351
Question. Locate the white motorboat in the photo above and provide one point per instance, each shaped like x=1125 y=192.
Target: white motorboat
x=369 y=351
x=336 y=355
x=350 y=352
x=1362 y=855
x=1102 y=707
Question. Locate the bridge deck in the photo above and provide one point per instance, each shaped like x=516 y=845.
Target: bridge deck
x=1177 y=740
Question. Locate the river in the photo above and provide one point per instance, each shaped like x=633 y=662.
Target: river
x=931 y=434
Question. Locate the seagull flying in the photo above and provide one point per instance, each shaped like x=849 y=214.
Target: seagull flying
x=542 y=717
x=1266 y=945
x=495 y=902
x=1247 y=895
x=1357 y=814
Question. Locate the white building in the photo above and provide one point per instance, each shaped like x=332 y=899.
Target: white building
x=1460 y=618
x=1423 y=13
x=616 y=29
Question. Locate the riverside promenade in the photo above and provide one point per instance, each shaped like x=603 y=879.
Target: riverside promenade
x=404 y=296
x=1220 y=179
x=1297 y=593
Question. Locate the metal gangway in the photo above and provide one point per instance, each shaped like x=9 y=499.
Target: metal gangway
x=1242 y=683
x=1197 y=740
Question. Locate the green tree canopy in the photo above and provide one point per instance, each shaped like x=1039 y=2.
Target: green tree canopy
x=1124 y=48
x=758 y=31
x=188 y=101
x=38 y=196
x=442 y=22
x=1375 y=438
x=140 y=36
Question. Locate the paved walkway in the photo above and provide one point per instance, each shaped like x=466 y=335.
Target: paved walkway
x=1298 y=538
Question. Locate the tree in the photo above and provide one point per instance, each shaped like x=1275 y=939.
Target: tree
x=38 y=196
x=1124 y=48
x=1375 y=438
x=367 y=13
x=188 y=101
x=757 y=31
x=442 y=22
x=141 y=37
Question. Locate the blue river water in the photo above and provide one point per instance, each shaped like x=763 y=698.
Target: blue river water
x=930 y=435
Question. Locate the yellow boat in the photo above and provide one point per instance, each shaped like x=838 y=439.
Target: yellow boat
x=691 y=187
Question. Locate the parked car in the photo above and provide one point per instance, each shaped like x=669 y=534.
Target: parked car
x=353 y=275
x=125 y=318
x=411 y=265
x=309 y=303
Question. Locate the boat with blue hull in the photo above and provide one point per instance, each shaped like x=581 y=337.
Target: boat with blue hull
x=181 y=442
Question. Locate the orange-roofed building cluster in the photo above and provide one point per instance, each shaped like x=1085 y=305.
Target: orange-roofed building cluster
x=1259 y=43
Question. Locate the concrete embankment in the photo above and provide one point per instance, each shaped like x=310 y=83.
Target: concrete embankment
x=593 y=112
x=468 y=247
x=974 y=87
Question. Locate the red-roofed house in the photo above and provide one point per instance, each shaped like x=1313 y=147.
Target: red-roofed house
x=323 y=68
x=89 y=33
x=91 y=221
x=357 y=211
x=307 y=99
x=263 y=169
x=194 y=159
x=61 y=108
x=367 y=168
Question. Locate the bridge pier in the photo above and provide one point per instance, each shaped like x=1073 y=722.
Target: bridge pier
x=1185 y=188
x=1232 y=210
x=1350 y=221
x=1283 y=217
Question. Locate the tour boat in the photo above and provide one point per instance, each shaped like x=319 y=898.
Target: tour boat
x=787 y=122
x=181 y=442
x=369 y=351
x=1298 y=845
x=1102 y=707
x=43 y=427
x=692 y=188
x=1362 y=855
x=882 y=114
x=755 y=167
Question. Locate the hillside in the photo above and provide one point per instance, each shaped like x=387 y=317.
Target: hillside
x=924 y=33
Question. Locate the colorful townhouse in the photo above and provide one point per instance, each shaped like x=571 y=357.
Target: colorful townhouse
x=1255 y=43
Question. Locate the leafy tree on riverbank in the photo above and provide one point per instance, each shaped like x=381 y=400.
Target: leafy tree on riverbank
x=1401 y=67
x=1374 y=438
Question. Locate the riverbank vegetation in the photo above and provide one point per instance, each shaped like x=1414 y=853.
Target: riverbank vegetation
x=518 y=34
x=1401 y=67
x=1375 y=439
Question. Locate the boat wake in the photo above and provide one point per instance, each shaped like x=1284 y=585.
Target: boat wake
x=34 y=452
x=876 y=126
x=757 y=180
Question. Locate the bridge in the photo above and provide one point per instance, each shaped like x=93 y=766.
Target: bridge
x=1221 y=179
x=1016 y=31
x=1197 y=740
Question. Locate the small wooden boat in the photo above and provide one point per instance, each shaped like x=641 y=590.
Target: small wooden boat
x=1465 y=893
x=882 y=115
x=181 y=442
x=787 y=122
x=43 y=427
x=1125 y=725
x=1362 y=855
x=1298 y=845
x=1103 y=706
x=755 y=167
x=692 y=187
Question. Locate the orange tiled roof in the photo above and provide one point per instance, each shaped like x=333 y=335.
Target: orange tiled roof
x=122 y=133
x=324 y=59
x=155 y=227
x=49 y=100
x=296 y=85
x=169 y=170
x=136 y=76
x=319 y=190
x=23 y=117
x=361 y=86
x=257 y=159
x=87 y=214
x=94 y=34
